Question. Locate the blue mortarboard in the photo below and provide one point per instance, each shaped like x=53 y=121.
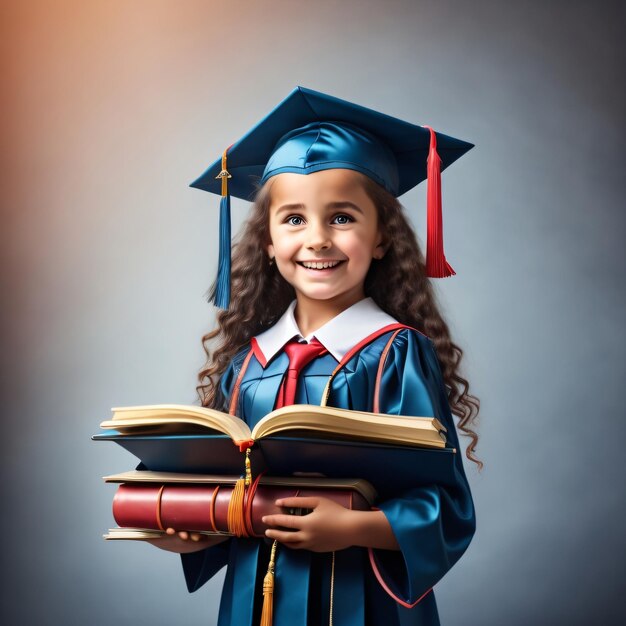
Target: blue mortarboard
x=311 y=131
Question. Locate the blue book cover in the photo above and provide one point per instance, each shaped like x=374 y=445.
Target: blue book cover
x=390 y=468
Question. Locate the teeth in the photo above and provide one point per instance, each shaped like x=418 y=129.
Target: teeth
x=319 y=265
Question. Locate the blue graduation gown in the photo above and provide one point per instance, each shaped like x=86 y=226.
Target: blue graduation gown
x=433 y=525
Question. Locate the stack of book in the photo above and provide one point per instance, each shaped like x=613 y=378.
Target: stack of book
x=192 y=459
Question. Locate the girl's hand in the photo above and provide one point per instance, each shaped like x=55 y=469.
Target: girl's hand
x=184 y=541
x=325 y=529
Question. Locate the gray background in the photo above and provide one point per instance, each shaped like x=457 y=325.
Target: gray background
x=115 y=107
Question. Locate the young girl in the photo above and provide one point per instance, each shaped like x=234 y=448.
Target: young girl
x=328 y=259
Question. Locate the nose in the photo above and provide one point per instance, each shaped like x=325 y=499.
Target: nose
x=318 y=237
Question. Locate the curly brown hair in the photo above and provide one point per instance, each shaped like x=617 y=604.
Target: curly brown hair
x=397 y=283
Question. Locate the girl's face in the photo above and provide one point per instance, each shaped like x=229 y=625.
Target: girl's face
x=324 y=234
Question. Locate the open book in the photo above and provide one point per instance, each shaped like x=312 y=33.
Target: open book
x=297 y=419
x=391 y=452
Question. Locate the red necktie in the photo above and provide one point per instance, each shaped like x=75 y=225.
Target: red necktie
x=299 y=355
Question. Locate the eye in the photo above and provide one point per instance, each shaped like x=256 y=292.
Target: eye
x=342 y=219
x=294 y=220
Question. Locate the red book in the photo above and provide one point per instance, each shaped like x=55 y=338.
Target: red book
x=157 y=500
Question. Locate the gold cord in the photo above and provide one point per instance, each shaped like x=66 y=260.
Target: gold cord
x=248 y=468
x=332 y=590
x=224 y=174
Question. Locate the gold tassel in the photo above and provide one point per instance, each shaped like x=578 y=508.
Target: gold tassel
x=267 y=614
x=235 y=515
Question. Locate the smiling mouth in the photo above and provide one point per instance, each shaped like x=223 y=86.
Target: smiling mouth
x=319 y=265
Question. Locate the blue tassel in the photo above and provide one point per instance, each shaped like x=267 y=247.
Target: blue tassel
x=221 y=293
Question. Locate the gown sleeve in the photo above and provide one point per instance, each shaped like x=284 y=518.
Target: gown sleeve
x=201 y=566
x=433 y=524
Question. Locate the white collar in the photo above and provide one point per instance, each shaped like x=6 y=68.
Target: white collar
x=339 y=335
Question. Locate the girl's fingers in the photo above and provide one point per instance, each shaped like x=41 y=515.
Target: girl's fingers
x=303 y=502
x=185 y=535
x=286 y=521
x=284 y=536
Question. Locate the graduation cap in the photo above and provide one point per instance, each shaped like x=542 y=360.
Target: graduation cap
x=310 y=131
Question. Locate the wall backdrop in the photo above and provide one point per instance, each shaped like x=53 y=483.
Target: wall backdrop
x=110 y=109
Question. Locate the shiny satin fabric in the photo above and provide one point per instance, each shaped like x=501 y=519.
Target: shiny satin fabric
x=328 y=145
x=433 y=525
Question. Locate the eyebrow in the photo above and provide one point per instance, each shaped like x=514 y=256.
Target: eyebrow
x=331 y=205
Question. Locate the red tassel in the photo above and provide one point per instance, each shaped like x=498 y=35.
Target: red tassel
x=436 y=264
x=244 y=445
